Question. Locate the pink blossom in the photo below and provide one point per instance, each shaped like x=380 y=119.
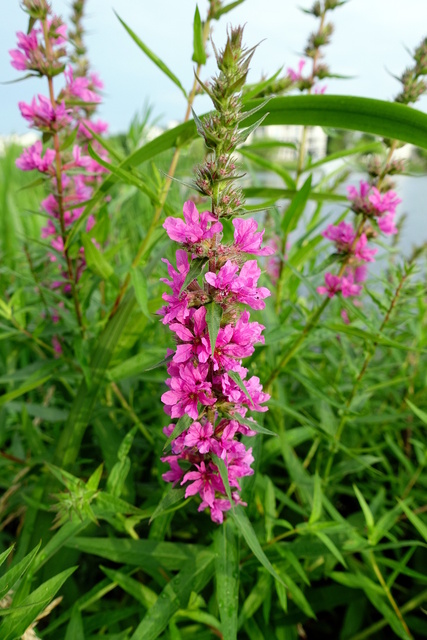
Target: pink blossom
x=22 y=60
x=192 y=341
x=205 y=482
x=342 y=234
x=386 y=224
x=244 y=286
x=197 y=227
x=79 y=87
x=43 y=115
x=187 y=390
x=247 y=239
x=362 y=252
x=333 y=285
x=386 y=202
x=349 y=287
x=295 y=76
x=200 y=436
x=175 y=473
x=31 y=158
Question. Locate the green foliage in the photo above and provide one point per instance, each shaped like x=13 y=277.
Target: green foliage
x=333 y=540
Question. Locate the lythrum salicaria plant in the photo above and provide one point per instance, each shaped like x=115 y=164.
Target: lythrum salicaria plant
x=210 y=391
x=65 y=121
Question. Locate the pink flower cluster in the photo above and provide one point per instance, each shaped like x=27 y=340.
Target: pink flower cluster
x=297 y=76
x=352 y=242
x=73 y=174
x=209 y=386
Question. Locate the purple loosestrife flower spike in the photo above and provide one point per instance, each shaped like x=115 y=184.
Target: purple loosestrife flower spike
x=202 y=383
x=69 y=113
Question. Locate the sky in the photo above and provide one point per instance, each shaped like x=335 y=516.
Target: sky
x=370 y=44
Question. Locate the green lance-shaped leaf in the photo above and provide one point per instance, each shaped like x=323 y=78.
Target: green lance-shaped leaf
x=390 y=120
x=270 y=166
x=196 y=269
x=420 y=526
x=11 y=577
x=96 y=261
x=175 y=596
x=159 y=63
x=245 y=527
x=75 y=626
x=227 y=8
x=316 y=510
x=5 y=555
x=252 y=424
x=223 y=472
x=199 y=53
x=369 y=518
x=181 y=426
x=296 y=208
x=226 y=547
x=213 y=320
x=171 y=498
x=28 y=386
x=238 y=380
x=149 y=554
x=139 y=284
x=422 y=415
x=20 y=617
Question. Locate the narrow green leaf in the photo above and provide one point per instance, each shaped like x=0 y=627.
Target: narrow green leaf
x=196 y=269
x=224 y=476
x=419 y=525
x=20 y=617
x=251 y=91
x=5 y=555
x=247 y=531
x=252 y=424
x=331 y=546
x=96 y=261
x=136 y=589
x=139 y=284
x=25 y=388
x=369 y=518
x=270 y=166
x=159 y=63
x=213 y=320
x=295 y=210
x=227 y=8
x=181 y=426
x=149 y=554
x=371 y=147
x=422 y=415
x=11 y=577
x=199 y=54
x=316 y=510
x=176 y=595
x=298 y=597
x=238 y=380
x=75 y=626
x=246 y=132
x=227 y=571
x=144 y=361
x=169 y=500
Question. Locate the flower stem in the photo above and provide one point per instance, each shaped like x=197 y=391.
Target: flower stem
x=60 y=195
x=359 y=378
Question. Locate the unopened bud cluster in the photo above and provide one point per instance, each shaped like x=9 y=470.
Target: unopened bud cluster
x=413 y=84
